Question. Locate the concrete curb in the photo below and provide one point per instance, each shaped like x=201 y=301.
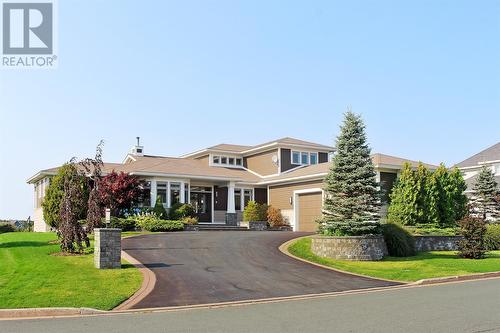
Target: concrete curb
x=47 y=312
x=148 y=284
x=457 y=278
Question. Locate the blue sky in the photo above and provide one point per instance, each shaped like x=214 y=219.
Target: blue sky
x=184 y=75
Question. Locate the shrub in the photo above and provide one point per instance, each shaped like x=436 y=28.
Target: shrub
x=473 y=231
x=253 y=212
x=190 y=220
x=400 y=243
x=274 y=217
x=179 y=211
x=432 y=231
x=151 y=222
x=53 y=197
x=492 y=237
x=6 y=227
x=159 y=210
x=121 y=223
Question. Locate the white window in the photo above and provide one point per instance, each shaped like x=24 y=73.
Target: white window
x=295 y=157
x=304 y=158
x=223 y=160
x=216 y=159
x=227 y=161
x=161 y=191
x=247 y=196
x=237 y=199
x=313 y=158
x=231 y=160
x=238 y=161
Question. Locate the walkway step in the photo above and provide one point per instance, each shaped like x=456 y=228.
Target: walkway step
x=221 y=227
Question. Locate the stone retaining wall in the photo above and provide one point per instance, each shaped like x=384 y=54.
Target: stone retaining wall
x=436 y=243
x=257 y=225
x=362 y=248
x=107 y=248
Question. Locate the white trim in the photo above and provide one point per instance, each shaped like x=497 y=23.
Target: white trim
x=172 y=175
x=279 y=161
x=227 y=157
x=129 y=156
x=296 y=207
x=259 y=175
x=306 y=177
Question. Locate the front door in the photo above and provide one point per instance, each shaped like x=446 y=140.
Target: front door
x=201 y=200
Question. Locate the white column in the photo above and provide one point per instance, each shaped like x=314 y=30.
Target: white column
x=169 y=204
x=230 y=198
x=153 y=192
x=182 y=193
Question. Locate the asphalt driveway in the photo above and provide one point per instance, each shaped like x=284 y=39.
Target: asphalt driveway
x=210 y=267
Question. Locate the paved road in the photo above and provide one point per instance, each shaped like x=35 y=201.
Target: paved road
x=460 y=307
x=210 y=267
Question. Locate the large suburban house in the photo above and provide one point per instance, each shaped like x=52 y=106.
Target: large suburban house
x=470 y=167
x=220 y=180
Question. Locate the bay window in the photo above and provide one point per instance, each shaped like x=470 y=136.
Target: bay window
x=161 y=192
x=175 y=193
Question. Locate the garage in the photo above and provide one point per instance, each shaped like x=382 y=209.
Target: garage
x=307 y=211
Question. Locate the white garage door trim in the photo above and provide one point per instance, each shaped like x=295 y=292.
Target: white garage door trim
x=296 y=193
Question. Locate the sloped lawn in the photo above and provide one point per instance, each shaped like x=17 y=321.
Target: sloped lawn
x=424 y=265
x=31 y=277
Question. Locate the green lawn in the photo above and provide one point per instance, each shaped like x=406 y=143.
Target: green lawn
x=422 y=266
x=31 y=277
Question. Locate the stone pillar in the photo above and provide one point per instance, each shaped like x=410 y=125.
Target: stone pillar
x=231 y=219
x=107 y=248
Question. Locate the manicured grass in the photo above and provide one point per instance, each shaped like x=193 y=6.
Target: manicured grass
x=126 y=234
x=31 y=277
x=422 y=266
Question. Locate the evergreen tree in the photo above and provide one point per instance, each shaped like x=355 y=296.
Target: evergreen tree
x=351 y=204
x=159 y=210
x=404 y=208
x=444 y=199
x=457 y=192
x=422 y=178
x=484 y=192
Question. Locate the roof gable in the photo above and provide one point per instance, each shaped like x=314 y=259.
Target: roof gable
x=489 y=154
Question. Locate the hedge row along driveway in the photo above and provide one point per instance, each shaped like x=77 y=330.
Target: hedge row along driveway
x=31 y=277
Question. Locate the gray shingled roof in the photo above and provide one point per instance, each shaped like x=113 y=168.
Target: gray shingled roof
x=489 y=154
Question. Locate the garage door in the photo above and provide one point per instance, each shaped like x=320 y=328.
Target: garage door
x=309 y=211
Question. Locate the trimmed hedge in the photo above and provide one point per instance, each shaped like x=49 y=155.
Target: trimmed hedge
x=124 y=224
x=6 y=227
x=400 y=243
x=492 y=237
x=153 y=223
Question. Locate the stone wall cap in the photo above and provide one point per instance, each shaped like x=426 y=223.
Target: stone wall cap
x=107 y=229
x=347 y=237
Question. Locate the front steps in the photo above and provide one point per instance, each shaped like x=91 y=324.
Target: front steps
x=220 y=227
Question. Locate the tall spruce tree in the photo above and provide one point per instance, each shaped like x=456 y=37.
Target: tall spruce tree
x=351 y=205
x=404 y=208
x=483 y=200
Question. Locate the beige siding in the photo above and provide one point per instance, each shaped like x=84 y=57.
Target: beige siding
x=38 y=222
x=279 y=196
x=262 y=163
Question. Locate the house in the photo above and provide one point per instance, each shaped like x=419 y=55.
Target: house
x=220 y=180
x=471 y=166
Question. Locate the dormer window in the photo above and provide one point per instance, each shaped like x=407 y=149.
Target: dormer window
x=227 y=161
x=313 y=158
x=304 y=158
